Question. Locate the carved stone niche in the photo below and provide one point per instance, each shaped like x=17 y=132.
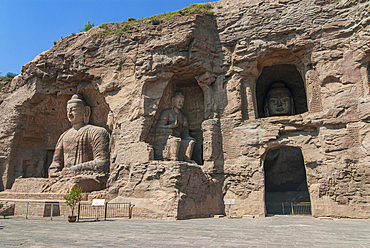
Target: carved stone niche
x=193 y=109
x=282 y=74
x=285 y=179
x=43 y=121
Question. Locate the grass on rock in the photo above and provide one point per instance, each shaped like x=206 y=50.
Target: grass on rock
x=133 y=24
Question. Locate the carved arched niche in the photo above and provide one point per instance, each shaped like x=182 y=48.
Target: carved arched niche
x=43 y=121
x=193 y=109
x=287 y=74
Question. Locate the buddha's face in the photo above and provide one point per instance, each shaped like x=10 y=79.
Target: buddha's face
x=279 y=102
x=75 y=113
x=178 y=102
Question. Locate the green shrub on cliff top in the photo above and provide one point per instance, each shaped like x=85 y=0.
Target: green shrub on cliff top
x=113 y=28
x=9 y=75
x=87 y=26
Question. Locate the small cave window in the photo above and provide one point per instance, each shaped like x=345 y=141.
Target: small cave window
x=280 y=91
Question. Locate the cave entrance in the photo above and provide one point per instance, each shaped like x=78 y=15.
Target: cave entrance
x=288 y=76
x=286 y=190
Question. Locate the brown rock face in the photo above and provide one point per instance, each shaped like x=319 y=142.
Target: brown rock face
x=224 y=64
x=167 y=189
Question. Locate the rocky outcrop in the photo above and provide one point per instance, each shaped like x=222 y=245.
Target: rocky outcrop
x=166 y=190
x=223 y=63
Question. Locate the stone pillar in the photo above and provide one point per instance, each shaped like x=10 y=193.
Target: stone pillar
x=212 y=146
x=248 y=106
x=313 y=89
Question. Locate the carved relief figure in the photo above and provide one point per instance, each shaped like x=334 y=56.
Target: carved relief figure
x=278 y=101
x=83 y=147
x=172 y=122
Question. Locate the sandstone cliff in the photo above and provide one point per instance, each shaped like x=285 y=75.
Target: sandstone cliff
x=223 y=63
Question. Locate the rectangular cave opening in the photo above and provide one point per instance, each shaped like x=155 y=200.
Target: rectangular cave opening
x=286 y=190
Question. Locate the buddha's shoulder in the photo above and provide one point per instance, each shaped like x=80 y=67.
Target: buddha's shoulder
x=95 y=129
x=168 y=111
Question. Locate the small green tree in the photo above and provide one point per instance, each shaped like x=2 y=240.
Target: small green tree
x=87 y=26
x=11 y=75
x=73 y=198
x=1 y=205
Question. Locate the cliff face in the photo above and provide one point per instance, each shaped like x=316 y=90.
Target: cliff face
x=224 y=64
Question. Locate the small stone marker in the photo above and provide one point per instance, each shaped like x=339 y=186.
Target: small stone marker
x=98 y=203
x=229 y=202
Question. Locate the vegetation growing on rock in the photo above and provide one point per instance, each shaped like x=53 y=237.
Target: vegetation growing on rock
x=9 y=76
x=133 y=24
x=87 y=27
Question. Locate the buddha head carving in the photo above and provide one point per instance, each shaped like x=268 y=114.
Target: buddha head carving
x=77 y=110
x=178 y=101
x=278 y=101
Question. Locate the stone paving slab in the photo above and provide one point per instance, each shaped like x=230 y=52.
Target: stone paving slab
x=276 y=231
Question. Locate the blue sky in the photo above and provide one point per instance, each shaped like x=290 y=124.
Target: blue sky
x=29 y=27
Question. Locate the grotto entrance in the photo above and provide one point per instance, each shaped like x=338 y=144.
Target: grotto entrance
x=286 y=189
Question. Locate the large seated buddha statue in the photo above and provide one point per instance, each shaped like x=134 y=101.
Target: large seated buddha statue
x=83 y=150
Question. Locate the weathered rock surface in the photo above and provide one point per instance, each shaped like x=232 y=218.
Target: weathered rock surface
x=220 y=62
x=167 y=189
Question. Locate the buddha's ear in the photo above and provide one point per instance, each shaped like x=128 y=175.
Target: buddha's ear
x=87 y=113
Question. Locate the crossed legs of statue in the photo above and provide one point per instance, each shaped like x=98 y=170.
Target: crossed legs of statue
x=178 y=149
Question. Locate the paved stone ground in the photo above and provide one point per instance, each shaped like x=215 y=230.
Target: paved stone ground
x=276 y=231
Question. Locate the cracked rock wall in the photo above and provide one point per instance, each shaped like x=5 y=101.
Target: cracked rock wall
x=133 y=74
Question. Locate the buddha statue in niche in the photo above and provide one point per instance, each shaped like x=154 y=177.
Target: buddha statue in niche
x=180 y=144
x=82 y=149
x=278 y=101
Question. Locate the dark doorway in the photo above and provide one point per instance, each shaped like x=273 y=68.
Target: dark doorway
x=286 y=189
